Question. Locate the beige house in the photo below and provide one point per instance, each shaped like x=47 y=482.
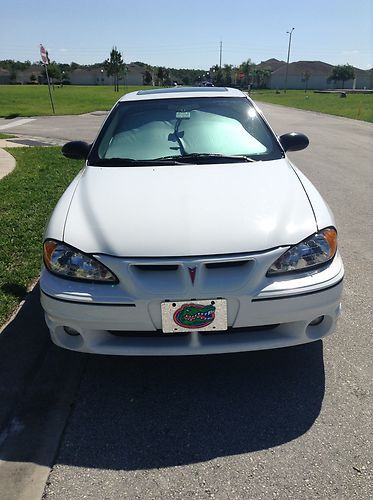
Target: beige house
x=33 y=73
x=83 y=76
x=134 y=75
x=4 y=76
x=314 y=75
x=98 y=76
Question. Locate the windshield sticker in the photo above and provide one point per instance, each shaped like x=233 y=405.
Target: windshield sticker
x=182 y=115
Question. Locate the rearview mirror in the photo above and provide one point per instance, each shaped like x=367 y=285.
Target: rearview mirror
x=294 y=141
x=76 y=150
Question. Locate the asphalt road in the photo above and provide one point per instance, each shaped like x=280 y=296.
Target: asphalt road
x=290 y=423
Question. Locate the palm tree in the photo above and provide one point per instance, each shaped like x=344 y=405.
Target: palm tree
x=261 y=76
x=148 y=75
x=227 y=74
x=217 y=75
x=161 y=75
x=246 y=67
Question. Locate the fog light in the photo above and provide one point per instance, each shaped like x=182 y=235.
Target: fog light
x=317 y=321
x=71 y=331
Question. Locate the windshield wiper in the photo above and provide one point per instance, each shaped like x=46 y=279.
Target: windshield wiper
x=124 y=162
x=204 y=158
x=207 y=158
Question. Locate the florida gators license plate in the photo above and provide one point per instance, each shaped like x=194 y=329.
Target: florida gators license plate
x=196 y=315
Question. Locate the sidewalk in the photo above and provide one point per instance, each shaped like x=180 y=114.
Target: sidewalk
x=7 y=161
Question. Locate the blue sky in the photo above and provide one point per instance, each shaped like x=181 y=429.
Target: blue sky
x=186 y=34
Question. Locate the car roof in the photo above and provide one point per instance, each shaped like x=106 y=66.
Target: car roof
x=181 y=92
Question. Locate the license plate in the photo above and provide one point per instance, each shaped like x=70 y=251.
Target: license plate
x=194 y=315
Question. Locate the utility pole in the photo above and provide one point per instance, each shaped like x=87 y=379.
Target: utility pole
x=221 y=51
x=287 y=61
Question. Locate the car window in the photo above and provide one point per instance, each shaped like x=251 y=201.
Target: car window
x=150 y=129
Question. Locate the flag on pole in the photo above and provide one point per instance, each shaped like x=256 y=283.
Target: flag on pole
x=44 y=58
x=43 y=55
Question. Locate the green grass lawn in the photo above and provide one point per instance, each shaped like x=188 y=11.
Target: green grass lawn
x=33 y=100
x=6 y=136
x=27 y=197
x=357 y=106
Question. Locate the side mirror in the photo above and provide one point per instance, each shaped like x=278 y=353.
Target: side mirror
x=294 y=141
x=76 y=150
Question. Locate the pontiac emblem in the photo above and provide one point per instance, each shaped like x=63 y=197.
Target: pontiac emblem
x=192 y=273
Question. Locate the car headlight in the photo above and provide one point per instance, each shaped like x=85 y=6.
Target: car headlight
x=68 y=262
x=313 y=251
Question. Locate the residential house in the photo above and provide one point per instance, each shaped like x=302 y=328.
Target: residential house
x=271 y=64
x=97 y=76
x=314 y=75
x=134 y=75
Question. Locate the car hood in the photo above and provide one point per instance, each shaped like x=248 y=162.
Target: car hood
x=188 y=210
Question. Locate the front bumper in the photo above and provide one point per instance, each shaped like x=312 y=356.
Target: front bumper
x=274 y=314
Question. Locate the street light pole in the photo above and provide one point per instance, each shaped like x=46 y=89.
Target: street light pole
x=287 y=61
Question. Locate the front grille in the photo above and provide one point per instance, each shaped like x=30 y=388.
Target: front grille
x=226 y=264
x=173 y=276
x=156 y=267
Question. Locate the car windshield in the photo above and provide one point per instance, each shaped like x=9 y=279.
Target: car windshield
x=182 y=130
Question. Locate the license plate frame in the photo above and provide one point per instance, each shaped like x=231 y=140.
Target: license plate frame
x=194 y=315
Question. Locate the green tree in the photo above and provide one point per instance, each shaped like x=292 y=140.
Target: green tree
x=216 y=75
x=115 y=67
x=227 y=74
x=162 y=75
x=261 y=77
x=342 y=73
x=148 y=76
x=167 y=80
x=54 y=71
x=12 y=65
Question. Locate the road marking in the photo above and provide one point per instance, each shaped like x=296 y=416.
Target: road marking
x=17 y=123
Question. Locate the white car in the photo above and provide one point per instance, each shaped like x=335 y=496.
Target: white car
x=189 y=231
